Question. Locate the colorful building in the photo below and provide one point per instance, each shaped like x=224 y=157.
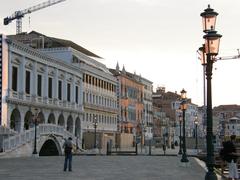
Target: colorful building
x=131 y=114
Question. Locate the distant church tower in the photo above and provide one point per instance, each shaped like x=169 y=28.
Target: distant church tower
x=123 y=70
x=117 y=68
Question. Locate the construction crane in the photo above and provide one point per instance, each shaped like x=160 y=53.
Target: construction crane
x=18 y=15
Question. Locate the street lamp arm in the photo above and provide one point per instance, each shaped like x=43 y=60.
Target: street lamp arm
x=220 y=58
x=227 y=58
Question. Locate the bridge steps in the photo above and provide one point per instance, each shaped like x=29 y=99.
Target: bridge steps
x=21 y=144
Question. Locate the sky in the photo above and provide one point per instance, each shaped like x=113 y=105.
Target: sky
x=157 y=39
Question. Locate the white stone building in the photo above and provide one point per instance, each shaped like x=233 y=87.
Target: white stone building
x=62 y=80
x=232 y=126
x=148 y=107
x=190 y=116
x=31 y=80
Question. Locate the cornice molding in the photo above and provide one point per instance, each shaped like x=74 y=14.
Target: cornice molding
x=40 y=105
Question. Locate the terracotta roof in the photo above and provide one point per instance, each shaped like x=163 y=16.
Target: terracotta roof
x=229 y=107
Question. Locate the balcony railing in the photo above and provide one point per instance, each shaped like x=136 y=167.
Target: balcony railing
x=27 y=98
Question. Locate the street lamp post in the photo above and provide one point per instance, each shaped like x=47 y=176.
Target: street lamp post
x=95 y=132
x=212 y=40
x=183 y=108
x=196 y=134
x=35 y=131
x=180 y=134
x=77 y=142
x=142 y=135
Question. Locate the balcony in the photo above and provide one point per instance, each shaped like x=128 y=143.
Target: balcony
x=41 y=101
x=100 y=107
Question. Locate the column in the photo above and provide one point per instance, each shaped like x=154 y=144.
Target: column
x=22 y=120
x=65 y=88
x=34 y=81
x=45 y=86
x=80 y=96
x=10 y=74
x=81 y=92
x=73 y=90
x=55 y=85
x=74 y=121
x=22 y=78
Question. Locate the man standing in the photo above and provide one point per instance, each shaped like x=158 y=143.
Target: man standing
x=68 y=154
x=230 y=155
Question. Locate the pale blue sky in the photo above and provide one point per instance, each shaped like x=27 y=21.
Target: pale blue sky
x=156 y=38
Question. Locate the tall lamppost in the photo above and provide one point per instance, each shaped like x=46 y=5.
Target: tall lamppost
x=35 y=129
x=142 y=135
x=196 y=134
x=183 y=108
x=212 y=40
x=95 y=131
x=180 y=134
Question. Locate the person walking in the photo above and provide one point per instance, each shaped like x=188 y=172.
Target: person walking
x=68 y=154
x=230 y=155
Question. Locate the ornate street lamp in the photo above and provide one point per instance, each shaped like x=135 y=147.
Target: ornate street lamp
x=35 y=116
x=203 y=57
x=183 y=108
x=196 y=135
x=95 y=131
x=180 y=135
x=209 y=17
x=212 y=40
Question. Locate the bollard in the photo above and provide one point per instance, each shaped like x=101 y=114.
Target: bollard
x=150 y=147
x=164 y=149
x=136 y=149
x=110 y=146
x=108 y=152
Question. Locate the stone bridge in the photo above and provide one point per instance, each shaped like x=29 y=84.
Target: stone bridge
x=50 y=139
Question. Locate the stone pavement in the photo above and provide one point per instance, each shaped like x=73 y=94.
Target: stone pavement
x=101 y=168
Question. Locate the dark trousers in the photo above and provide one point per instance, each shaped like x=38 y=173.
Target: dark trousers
x=68 y=162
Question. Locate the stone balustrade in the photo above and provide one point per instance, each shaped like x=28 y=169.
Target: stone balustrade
x=12 y=142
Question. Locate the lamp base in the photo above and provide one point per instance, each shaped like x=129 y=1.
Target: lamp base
x=180 y=152
x=184 y=158
x=184 y=164
x=35 y=155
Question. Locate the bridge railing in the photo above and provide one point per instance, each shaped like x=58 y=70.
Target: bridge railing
x=12 y=142
x=17 y=140
x=5 y=130
x=45 y=129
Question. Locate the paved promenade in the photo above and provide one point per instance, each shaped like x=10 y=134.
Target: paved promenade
x=101 y=168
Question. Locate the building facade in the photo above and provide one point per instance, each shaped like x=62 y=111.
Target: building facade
x=191 y=115
x=160 y=127
x=131 y=118
x=64 y=82
x=148 y=107
x=164 y=101
x=226 y=120
x=33 y=82
x=99 y=94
